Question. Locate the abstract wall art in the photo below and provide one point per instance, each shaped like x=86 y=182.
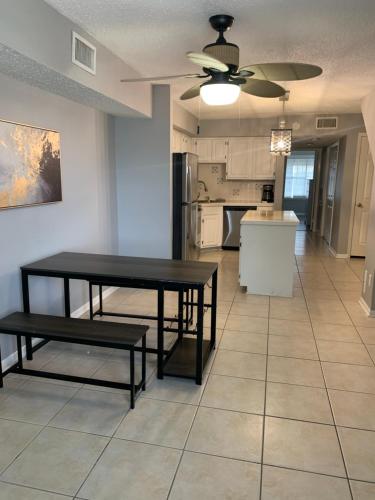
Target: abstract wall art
x=30 y=172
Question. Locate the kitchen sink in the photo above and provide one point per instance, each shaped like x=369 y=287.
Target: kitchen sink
x=214 y=200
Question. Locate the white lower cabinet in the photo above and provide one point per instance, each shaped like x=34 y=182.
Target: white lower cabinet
x=211 y=226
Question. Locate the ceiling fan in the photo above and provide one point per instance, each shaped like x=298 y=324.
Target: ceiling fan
x=220 y=64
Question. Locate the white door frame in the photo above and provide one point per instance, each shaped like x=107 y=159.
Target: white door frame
x=335 y=144
x=317 y=173
x=324 y=194
x=354 y=192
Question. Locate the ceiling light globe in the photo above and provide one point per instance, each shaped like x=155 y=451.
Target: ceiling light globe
x=220 y=94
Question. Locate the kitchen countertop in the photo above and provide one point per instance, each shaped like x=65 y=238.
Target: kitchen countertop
x=273 y=218
x=234 y=203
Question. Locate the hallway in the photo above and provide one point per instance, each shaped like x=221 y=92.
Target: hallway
x=286 y=411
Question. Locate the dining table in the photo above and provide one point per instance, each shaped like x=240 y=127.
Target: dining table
x=191 y=280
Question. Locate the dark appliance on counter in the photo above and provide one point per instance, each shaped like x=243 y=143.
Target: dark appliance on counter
x=185 y=206
x=231 y=227
x=267 y=194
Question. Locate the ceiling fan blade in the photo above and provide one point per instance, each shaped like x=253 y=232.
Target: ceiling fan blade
x=262 y=88
x=206 y=61
x=283 y=72
x=157 y=78
x=192 y=92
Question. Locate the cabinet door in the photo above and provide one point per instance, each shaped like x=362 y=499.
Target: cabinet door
x=262 y=162
x=176 y=141
x=204 y=150
x=239 y=155
x=219 y=150
x=211 y=227
x=188 y=144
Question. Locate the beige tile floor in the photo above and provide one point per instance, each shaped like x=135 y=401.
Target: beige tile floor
x=286 y=410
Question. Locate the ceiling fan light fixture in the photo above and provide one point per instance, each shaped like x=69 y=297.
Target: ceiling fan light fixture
x=220 y=94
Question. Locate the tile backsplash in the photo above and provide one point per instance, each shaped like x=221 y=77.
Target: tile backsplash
x=218 y=187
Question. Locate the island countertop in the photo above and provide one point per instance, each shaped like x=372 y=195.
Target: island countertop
x=275 y=217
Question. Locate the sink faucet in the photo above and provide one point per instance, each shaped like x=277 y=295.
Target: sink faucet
x=204 y=185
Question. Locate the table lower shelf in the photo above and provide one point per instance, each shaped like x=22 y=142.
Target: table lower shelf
x=182 y=363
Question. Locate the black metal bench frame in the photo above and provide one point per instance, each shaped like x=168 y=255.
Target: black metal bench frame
x=135 y=389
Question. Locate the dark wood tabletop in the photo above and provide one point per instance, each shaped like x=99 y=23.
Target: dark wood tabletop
x=87 y=265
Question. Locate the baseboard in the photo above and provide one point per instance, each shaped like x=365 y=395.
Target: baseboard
x=366 y=308
x=337 y=255
x=12 y=358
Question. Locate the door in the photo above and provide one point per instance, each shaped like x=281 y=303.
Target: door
x=365 y=169
x=238 y=166
x=203 y=150
x=219 y=150
x=333 y=153
x=263 y=163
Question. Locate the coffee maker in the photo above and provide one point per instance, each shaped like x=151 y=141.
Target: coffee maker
x=267 y=193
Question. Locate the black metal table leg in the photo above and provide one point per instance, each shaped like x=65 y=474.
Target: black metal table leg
x=90 y=301
x=26 y=309
x=19 y=351
x=132 y=380
x=180 y=313
x=67 y=297
x=213 y=309
x=144 y=362
x=160 y=331
x=100 y=300
x=1 y=371
x=199 y=353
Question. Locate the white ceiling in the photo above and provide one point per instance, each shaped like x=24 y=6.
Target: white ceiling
x=153 y=36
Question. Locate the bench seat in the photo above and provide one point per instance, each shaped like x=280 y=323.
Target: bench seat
x=78 y=331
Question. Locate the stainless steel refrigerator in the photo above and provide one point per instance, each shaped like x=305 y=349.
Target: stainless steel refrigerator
x=185 y=206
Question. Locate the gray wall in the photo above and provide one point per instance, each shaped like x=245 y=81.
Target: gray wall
x=183 y=120
x=368 y=110
x=143 y=165
x=86 y=218
x=39 y=33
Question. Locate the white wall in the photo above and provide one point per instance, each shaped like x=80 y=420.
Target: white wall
x=143 y=166
x=86 y=218
x=368 y=110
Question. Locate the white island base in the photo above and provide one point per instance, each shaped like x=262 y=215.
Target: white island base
x=267 y=252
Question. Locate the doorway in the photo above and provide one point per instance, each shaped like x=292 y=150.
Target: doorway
x=299 y=187
x=332 y=161
x=362 y=198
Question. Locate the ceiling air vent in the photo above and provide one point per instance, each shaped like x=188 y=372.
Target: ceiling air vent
x=326 y=122
x=83 y=53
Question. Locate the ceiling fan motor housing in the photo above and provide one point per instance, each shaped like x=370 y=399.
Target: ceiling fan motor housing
x=228 y=53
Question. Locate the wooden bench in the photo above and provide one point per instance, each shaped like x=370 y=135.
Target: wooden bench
x=77 y=331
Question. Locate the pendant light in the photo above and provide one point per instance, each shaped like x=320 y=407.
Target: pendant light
x=281 y=138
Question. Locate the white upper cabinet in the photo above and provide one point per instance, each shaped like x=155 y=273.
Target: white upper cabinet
x=212 y=150
x=262 y=163
x=239 y=156
x=181 y=143
x=203 y=149
x=219 y=150
x=250 y=158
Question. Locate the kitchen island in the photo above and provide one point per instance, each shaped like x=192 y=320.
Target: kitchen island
x=267 y=252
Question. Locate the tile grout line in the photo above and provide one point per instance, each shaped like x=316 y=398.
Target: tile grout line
x=265 y=403
x=327 y=394
x=198 y=406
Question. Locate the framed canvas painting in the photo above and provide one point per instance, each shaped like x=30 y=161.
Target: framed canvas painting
x=30 y=172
